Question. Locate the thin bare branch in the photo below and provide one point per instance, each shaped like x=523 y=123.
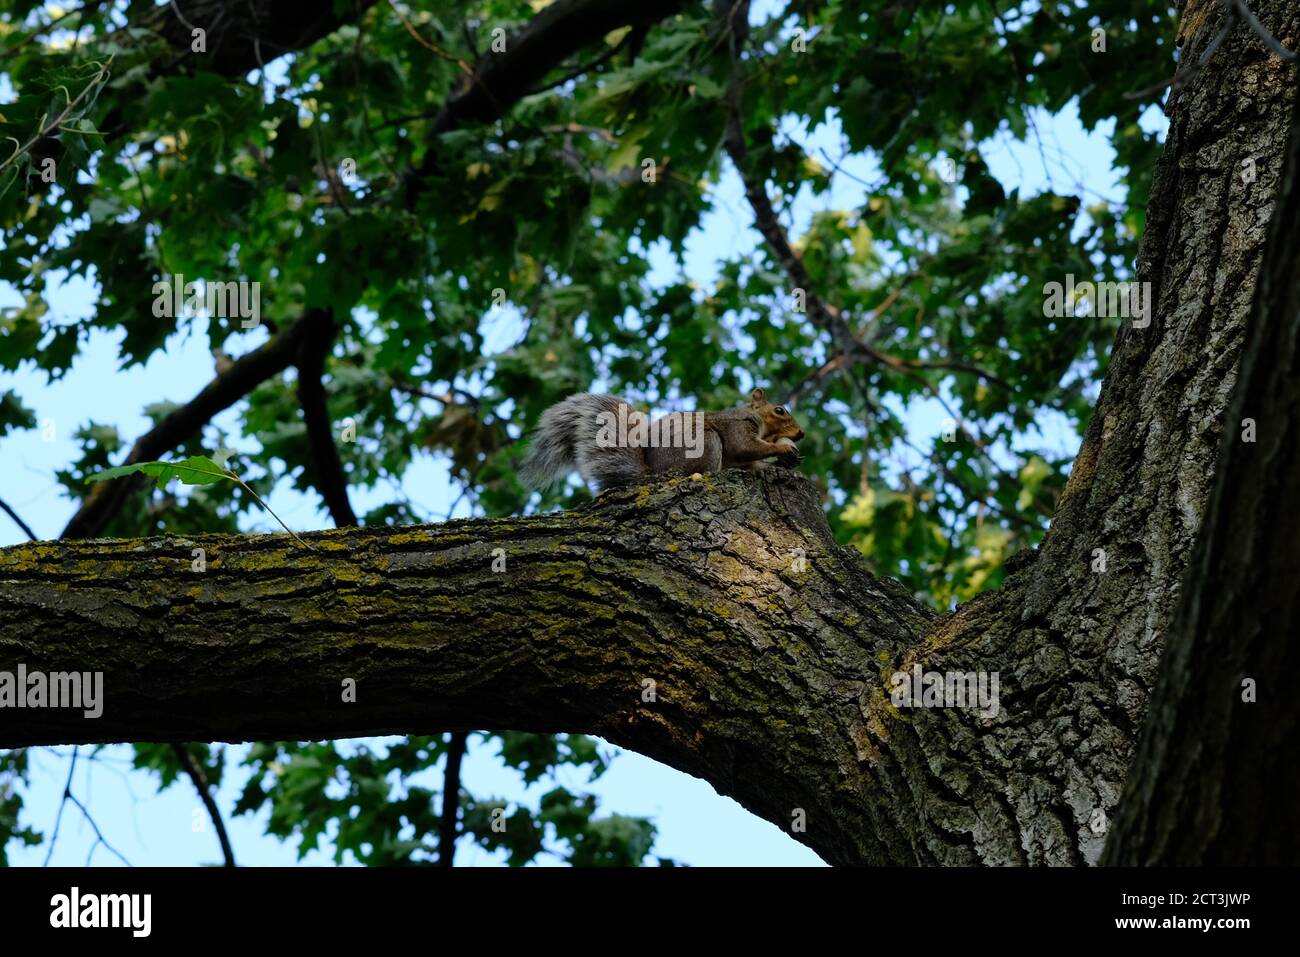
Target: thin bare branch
x=330 y=478
x=448 y=825
x=192 y=768
x=27 y=529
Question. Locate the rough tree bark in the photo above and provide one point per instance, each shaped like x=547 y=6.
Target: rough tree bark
x=759 y=634
x=1081 y=649
x=769 y=647
x=1216 y=772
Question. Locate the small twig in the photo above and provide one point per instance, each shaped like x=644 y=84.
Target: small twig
x=58 y=817
x=192 y=768
x=259 y=501
x=181 y=17
x=597 y=131
x=1234 y=9
x=47 y=27
x=841 y=170
x=826 y=369
x=971 y=495
x=99 y=837
x=1252 y=21
x=27 y=529
x=1182 y=78
x=459 y=498
x=43 y=129
x=446 y=398
x=432 y=47
x=900 y=364
x=583 y=68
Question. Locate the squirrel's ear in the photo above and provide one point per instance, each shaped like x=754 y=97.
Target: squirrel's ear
x=757 y=397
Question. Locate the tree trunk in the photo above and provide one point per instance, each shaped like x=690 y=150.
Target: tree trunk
x=1215 y=779
x=715 y=625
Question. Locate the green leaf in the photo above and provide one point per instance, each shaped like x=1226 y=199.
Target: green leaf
x=195 y=470
x=13 y=414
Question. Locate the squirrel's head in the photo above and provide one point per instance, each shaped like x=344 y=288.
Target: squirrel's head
x=778 y=423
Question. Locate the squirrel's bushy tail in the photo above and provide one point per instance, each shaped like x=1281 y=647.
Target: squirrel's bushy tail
x=569 y=437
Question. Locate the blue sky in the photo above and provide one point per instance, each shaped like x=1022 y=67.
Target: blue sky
x=696 y=825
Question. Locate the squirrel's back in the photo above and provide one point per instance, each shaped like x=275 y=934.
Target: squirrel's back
x=608 y=442
x=569 y=437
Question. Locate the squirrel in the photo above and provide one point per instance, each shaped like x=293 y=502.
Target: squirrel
x=609 y=443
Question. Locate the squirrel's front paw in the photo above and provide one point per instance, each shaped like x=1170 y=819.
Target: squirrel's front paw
x=790 y=456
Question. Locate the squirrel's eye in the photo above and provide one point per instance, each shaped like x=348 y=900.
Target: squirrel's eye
x=780 y=410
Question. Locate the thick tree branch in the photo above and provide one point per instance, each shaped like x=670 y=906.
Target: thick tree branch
x=240 y=37
x=766 y=647
x=501 y=79
x=560 y=30
x=183 y=755
x=762 y=641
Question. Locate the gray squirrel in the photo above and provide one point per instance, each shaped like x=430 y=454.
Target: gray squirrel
x=609 y=443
